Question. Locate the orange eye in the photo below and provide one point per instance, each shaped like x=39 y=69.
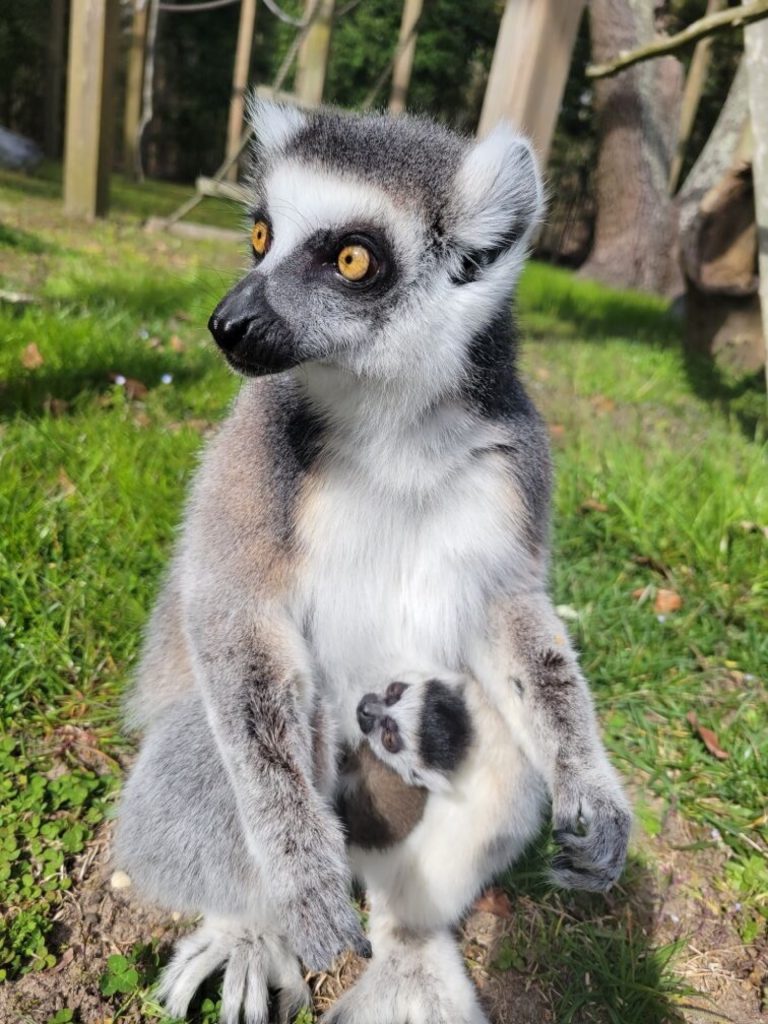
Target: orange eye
x=260 y=237
x=354 y=262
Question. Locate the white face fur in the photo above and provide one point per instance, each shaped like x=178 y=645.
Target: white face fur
x=437 y=287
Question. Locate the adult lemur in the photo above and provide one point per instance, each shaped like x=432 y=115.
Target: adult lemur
x=375 y=507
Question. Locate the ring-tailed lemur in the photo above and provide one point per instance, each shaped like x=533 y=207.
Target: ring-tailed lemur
x=376 y=503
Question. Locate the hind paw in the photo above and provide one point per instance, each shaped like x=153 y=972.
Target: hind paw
x=254 y=964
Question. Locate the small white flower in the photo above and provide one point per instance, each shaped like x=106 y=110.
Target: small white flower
x=119 y=379
x=661 y=618
x=167 y=378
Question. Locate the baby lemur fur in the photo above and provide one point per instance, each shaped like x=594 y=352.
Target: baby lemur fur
x=374 y=509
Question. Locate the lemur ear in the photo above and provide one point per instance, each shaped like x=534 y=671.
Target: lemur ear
x=273 y=123
x=499 y=193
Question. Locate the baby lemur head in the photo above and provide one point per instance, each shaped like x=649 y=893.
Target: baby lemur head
x=380 y=245
x=422 y=730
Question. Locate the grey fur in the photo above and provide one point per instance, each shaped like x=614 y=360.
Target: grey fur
x=385 y=499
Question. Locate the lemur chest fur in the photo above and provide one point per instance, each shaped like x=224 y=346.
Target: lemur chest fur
x=398 y=580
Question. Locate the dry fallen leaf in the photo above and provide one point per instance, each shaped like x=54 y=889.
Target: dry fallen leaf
x=667 y=601
x=133 y=388
x=603 y=404
x=592 y=505
x=556 y=431
x=495 y=901
x=707 y=737
x=176 y=343
x=55 y=407
x=66 y=487
x=31 y=357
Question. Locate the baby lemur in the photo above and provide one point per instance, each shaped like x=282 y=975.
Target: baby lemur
x=416 y=735
x=375 y=507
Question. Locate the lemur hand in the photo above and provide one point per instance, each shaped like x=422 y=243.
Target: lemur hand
x=318 y=916
x=592 y=822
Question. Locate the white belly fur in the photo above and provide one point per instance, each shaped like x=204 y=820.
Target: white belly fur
x=392 y=586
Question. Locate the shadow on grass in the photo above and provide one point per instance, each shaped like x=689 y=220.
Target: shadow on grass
x=38 y=394
x=593 y=955
x=21 y=241
x=555 y=303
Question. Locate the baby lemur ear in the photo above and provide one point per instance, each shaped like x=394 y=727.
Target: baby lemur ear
x=499 y=198
x=273 y=123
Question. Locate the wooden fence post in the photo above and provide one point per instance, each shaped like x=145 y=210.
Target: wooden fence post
x=240 y=81
x=88 y=149
x=406 y=50
x=134 y=86
x=313 y=54
x=530 y=67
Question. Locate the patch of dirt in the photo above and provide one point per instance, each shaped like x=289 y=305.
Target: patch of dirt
x=694 y=905
x=685 y=898
x=94 y=922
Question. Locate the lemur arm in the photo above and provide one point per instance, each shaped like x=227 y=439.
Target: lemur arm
x=256 y=685
x=534 y=678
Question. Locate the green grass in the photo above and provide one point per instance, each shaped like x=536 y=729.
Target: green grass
x=671 y=455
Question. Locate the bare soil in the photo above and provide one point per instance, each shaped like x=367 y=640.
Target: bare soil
x=684 y=897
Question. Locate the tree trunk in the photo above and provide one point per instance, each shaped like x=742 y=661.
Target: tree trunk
x=756 y=50
x=718 y=242
x=637 y=114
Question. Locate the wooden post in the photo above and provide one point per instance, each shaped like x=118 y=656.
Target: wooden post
x=88 y=150
x=134 y=84
x=530 y=67
x=240 y=81
x=694 y=87
x=313 y=54
x=55 y=79
x=406 y=50
x=756 y=51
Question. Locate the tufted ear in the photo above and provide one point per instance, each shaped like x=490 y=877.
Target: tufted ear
x=499 y=193
x=273 y=123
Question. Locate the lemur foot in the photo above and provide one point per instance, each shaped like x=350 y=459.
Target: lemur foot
x=255 y=964
x=591 y=826
x=423 y=982
x=422 y=730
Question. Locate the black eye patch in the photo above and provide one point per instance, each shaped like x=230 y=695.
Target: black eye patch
x=445 y=730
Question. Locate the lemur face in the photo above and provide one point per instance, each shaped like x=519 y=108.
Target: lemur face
x=380 y=245
x=422 y=730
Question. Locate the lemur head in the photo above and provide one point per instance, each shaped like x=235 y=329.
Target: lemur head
x=379 y=245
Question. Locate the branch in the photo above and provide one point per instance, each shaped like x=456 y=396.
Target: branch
x=732 y=17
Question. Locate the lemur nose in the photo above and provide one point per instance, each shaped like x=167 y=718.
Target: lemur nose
x=368 y=712
x=227 y=333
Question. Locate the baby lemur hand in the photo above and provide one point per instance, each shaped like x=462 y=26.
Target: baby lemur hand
x=421 y=730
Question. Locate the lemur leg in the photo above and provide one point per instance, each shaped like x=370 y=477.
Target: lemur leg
x=254 y=673
x=180 y=839
x=419 y=889
x=530 y=670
